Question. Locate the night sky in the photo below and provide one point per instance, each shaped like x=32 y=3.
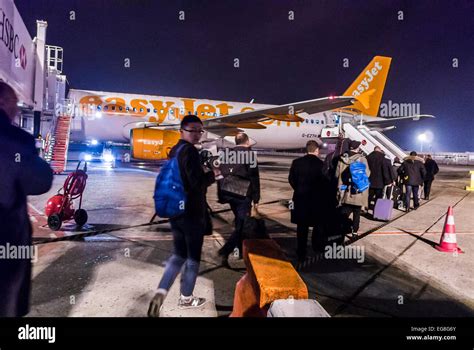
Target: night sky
x=281 y=61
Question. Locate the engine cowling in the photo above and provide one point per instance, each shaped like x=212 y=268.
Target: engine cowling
x=152 y=144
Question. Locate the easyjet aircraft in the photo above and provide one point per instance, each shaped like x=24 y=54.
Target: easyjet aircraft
x=151 y=123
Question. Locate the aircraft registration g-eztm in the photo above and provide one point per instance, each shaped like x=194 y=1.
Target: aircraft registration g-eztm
x=151 y=123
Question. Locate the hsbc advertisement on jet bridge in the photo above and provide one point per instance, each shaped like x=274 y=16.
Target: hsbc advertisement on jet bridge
x=16 y=52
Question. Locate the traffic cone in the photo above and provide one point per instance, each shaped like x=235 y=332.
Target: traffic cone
x=448 y=243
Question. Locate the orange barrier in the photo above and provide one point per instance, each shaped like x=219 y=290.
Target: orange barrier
x=270 y=276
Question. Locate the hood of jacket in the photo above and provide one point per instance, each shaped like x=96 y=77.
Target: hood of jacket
x=412 y=159
x=347 y=158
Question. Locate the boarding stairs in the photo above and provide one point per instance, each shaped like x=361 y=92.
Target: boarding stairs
x=57 y=143
x=371 y=138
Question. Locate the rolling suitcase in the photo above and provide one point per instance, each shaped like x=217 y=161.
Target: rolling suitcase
x=384 y=208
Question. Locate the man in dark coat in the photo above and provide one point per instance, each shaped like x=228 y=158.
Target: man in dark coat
x=310 y=198
x=243 y=167
x=380 y=174
x=22 y=173
x=431 y=170
x=413 y=172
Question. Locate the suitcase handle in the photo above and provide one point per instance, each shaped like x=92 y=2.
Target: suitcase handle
x=385 y=192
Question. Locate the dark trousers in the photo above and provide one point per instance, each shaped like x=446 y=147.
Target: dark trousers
x=374 y=194
x=301 y=240
x=188 y=238
x=427 y=188
x=241 y=209
x=347 y=210
x=409 y=190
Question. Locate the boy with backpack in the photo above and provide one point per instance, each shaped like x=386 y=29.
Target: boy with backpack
x=180 y=194
x=353 y=184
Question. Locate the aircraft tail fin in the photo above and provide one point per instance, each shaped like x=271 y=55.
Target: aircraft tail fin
x=370 y=85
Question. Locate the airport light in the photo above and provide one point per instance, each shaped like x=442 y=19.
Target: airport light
x=87 y=157
x=94 y=142
x=108 y=158
x=422 y=138
x=98 y=114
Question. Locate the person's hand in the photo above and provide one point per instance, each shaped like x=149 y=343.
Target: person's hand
x=217 y=172
x=155 y=305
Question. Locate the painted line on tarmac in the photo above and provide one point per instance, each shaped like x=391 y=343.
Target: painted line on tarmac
x=372 y=279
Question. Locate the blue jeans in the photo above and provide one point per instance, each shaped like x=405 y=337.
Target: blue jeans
x=409 y=189
x=188 y=238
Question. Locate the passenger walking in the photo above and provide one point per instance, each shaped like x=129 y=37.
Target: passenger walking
x=431 y=170
x=380 y=175
x=22 y=173
x=240 y=187
x=413 y=172
x=310 y=197
x=188 y=228
x=352 y=195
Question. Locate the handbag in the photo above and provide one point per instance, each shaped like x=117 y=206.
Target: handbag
x=235 y=186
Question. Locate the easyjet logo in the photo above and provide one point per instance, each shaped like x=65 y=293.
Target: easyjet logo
x=155 y=110
x=368 y=77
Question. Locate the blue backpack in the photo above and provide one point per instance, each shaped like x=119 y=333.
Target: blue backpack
x=360 y=180
x=170 y=196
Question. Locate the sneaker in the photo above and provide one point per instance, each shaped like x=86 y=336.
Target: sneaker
x=192 y=302
x=155 y=305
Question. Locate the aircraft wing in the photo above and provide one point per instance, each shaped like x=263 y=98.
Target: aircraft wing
x=288 y=112
x=383 y=121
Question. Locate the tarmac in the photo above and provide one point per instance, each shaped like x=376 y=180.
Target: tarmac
x=111 y=267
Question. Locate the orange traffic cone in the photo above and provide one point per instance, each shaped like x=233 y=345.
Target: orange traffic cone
x=448 y=243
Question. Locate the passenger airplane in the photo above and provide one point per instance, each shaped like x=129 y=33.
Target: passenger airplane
x=151 y=123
